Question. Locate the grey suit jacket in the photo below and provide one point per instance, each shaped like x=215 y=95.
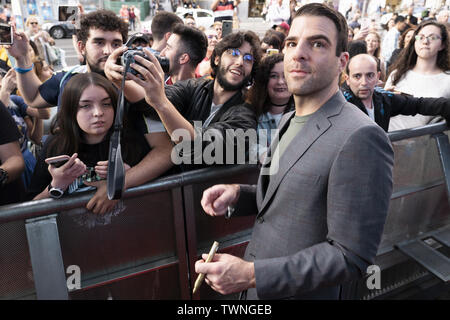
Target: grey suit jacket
x=321 y=216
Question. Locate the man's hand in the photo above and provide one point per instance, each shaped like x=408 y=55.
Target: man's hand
x=361 y=34
x=19 y=49
x=215 y=200
x=114 y=71
x=152 y=79
x=9 y=81
x=99 y=203
x=101 y=169
x=226 y=273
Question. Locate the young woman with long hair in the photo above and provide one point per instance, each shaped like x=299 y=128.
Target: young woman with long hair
x=373 y=41
x=422 y=70
x=82 y=130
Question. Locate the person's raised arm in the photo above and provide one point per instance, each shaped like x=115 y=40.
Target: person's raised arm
x=154 y=164
x=114 y=72
x=214 y=5
x=27 y=80
x=153 y=83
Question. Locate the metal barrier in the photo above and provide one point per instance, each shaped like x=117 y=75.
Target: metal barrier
x=148 y=250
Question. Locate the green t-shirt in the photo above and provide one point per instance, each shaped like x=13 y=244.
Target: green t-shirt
x=296 y=124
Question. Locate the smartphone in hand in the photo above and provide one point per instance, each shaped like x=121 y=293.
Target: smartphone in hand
x=57 y=161
x=227 y=27
x=6 y=34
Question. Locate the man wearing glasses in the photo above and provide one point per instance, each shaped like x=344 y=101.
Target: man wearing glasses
x=215 y=103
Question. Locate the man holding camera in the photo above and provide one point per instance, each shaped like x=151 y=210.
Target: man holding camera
x=218 y=103
x=101 y=32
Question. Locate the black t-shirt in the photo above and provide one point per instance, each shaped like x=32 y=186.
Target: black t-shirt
x=90 y=154
x=13 y=191
x=8 y=128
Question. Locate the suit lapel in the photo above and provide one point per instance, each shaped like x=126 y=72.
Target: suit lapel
x=313 y=129
x=264 y=177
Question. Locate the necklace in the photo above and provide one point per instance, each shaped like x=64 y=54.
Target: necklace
x=279 y=105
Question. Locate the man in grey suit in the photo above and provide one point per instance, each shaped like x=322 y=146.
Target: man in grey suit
x=321 y=213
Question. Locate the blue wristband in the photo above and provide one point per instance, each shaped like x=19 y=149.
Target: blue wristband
x=22 y=70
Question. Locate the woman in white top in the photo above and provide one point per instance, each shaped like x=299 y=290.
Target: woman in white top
x=422 y=70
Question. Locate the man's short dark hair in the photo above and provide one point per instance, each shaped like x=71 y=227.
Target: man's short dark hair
x=193 y=42
x=235 y=40
x=105 y=20
x=399 y=19
x=164 y=22
x=274 y=38
x=321 y=10
x=356 y=47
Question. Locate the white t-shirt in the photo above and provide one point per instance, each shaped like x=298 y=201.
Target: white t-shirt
x=371 y=113
x=214 y=109
x=419 y=85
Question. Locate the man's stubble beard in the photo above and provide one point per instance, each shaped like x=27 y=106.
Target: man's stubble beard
x=94 y=68
x=223 y=82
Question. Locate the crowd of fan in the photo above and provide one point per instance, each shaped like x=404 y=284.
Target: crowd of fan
x=227 y=82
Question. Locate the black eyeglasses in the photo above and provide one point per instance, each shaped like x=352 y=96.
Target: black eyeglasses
x=33 y=23
x=421 y=37
x=237 y=53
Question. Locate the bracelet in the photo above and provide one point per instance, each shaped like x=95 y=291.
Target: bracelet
x=24 y=70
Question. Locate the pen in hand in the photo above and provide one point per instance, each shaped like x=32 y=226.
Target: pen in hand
x=201 y=276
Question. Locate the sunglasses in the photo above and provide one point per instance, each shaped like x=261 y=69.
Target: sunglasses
x=211 y=36
x=33 y=23
x=237 y=53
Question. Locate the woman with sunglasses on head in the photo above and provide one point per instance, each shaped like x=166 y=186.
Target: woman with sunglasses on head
x=40 y=37
x=270 y=98
x=81 y=133
x=422 y=70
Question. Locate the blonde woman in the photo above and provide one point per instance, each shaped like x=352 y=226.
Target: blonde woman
x=40 y=37
x=373 y=42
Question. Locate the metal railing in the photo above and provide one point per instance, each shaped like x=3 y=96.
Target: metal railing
x=148 y=250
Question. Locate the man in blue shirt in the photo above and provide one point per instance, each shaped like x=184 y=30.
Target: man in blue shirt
x=101 y=32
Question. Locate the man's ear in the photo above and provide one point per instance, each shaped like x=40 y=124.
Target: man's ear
x=167 y=35
x=81 y=47
x=184 y=58
x=343 y=60
x=216 y=60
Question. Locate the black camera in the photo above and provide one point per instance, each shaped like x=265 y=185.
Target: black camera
x=163 y=61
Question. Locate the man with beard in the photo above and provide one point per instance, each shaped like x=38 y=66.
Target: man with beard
x=217 y=103
x=101 y=32
x=322 y=209
x=185 y=49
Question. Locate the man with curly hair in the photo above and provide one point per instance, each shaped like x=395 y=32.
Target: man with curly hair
x=101 y=32
x=215 y=103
